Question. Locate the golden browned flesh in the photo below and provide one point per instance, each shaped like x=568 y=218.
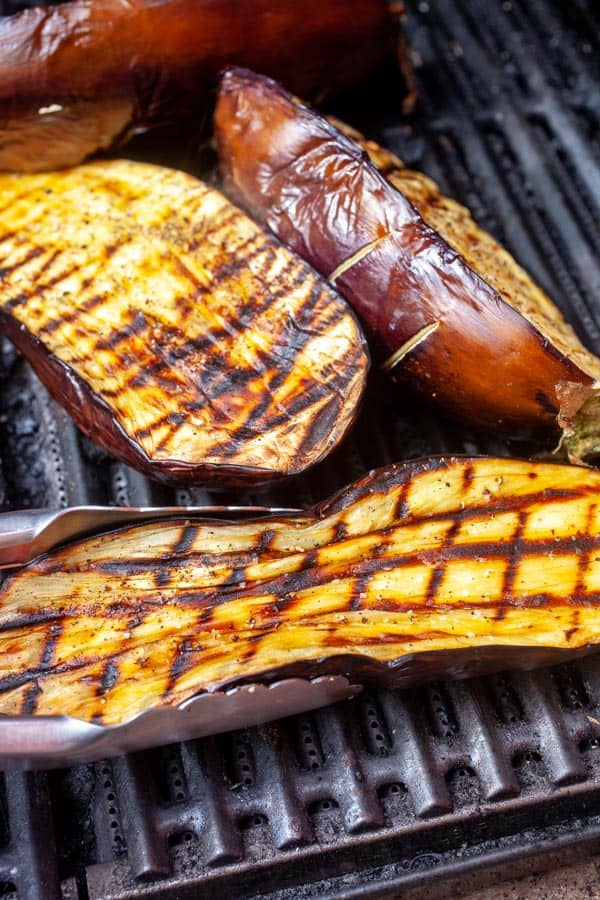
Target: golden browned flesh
x=79 y=77
x=441 y=566
x=448 y=309
x=174 y=330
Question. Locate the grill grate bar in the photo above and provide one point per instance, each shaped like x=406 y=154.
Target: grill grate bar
x=31 y=866
x=285 y=812
x=147 y=848
x=206 y=781
x=350 y=785
x=539 y=700
x=416 y=762
x=486 y=744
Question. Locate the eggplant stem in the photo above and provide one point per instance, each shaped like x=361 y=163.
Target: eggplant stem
x=356 y=257
x=581 y=428
x=409 y=345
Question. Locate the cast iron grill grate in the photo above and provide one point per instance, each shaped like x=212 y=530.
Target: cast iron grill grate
x=415 y=789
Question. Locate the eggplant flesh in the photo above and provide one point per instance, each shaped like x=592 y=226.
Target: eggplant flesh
x=85 y=75
x=437 y=567
x=448 y=310
x=177 y=334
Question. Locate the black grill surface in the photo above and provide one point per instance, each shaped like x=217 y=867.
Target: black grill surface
x=424 y=791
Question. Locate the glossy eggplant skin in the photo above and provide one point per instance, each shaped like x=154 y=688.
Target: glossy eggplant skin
x=317 y=190
x=442 y=566
x=79 y=77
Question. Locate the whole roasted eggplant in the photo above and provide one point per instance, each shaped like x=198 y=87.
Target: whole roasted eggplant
x=82 y=76
x=449 y=310
x=177 y=334
x=436 y=567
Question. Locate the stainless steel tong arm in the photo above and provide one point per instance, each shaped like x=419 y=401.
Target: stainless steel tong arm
x=24 y=534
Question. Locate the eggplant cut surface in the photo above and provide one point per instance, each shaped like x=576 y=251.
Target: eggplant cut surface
x=437 y=567
x=449 y=311
x=176 y=333
x=85 y=75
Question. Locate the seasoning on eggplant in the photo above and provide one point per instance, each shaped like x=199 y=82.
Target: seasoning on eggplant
x=450 y=312
x=436 y=567
x=85 y=75
x=177 y=334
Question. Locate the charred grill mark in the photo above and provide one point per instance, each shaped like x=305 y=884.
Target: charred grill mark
x=110 y=249
x=185 y=271
x=340 y=531
x=177 y=350
x=439 y=569
x=186 y=540
x=225 y=217
x=256 y=248
x=435 y=581
x=514 y=556
x=183 y=660
x=142 y=434
x=14 y=199
x=360 y=589
x=320 y=425
x=305 y=399
x=14 y=302
x=39 y=289
x=467 y=476
x=33 y=253
x=206 y=615
x=30 y=700
x=28 y=620
x=9 y=236
x=401 y=508
x=47 y=660
x=232 y=264
x=138 y=323
x=17 y=680
x=73 y=315
x=46 y=264
x=574 y=625
x=109 y=678
x=584 y=549
x=265 y=540
x=34 y=674
x=163 y=577
x=250 y=649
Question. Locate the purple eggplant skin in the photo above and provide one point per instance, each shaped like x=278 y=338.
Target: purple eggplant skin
x=85 y=75
x=479 y=358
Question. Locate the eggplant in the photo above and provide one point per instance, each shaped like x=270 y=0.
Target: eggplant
x=178 y=335
x=437 y=567
x=448 y=310
x=85 y=75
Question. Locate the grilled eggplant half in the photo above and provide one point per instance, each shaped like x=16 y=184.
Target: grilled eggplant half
x=448 y=309
x=176 y=333
x=437 y=567
x=82 y=76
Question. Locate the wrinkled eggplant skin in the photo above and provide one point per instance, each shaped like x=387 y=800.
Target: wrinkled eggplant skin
x=319 y=193
x=95 y=419
x=116 y=68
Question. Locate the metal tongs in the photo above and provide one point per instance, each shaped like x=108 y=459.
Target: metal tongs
x=25 y=534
